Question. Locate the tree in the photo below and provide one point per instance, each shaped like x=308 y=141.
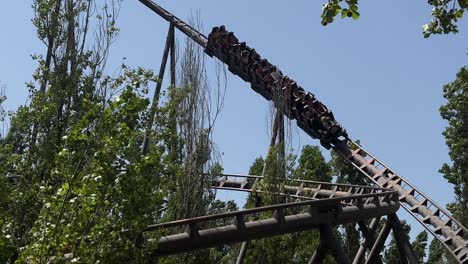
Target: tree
x=436 y=252
x=296 y=247
x=85 y=191
x=256 y=168
x=195 y=159
x=312 y=165
x=445 y=13
x=420 y=245
x=346 y=173
x=455 y=111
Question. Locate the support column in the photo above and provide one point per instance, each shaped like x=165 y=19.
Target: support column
x=379 y=243
x=335 y=247
x=157 y=91
x=328 y=243
x=405 y=249
x=369 y=240
x=242 y=252
x=275 y=129
x=319 y=255
x=173 y=58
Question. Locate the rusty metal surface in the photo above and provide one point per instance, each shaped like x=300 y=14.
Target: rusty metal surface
x=284 y=219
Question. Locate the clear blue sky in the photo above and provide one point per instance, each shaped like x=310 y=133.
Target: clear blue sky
x=380 y=77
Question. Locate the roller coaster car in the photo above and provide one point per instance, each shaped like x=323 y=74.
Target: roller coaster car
x=311 y=114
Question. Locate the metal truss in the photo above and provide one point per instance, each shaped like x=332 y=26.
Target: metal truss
x=428 y=213
x=293 y=188
x=231 y=227
x=312 y=190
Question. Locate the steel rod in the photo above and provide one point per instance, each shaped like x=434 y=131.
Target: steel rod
x=242 y=252
x=369 y=240
x=405 y=249
x=330 y=202
x=335 y=247
x=157 y=91
x=227 y=175
x=173 y=58
x=379 y=243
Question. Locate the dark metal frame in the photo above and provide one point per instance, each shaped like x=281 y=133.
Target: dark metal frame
x=330 y=211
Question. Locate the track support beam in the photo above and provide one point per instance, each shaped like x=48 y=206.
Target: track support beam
x=379 y=244
x=369 y=239
x=328 y=244
x=162 y=70
x=405 y=249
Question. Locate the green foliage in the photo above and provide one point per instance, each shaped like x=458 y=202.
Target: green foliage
x=345 y=171
x=351 y=239
x=257 y=166
x=333 y=8
x=436 y=252
x=439 y=255
x=420 y=245
x=455 y=111
x=274 y=175
x=101 y=173
x=445 y=13
x=312 y=165
x=295 y=247
x=85 y=191
x=96 y=171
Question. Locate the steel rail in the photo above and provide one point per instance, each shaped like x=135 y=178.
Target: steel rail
x=258 y=177
x=325 y=202
x=327 y=211
x=306 y=190
x=429 y=214
x=185 y=28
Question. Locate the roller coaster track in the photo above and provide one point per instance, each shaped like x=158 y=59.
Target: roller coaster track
x=202 y=232
x=293 y=188
x=317 y=121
